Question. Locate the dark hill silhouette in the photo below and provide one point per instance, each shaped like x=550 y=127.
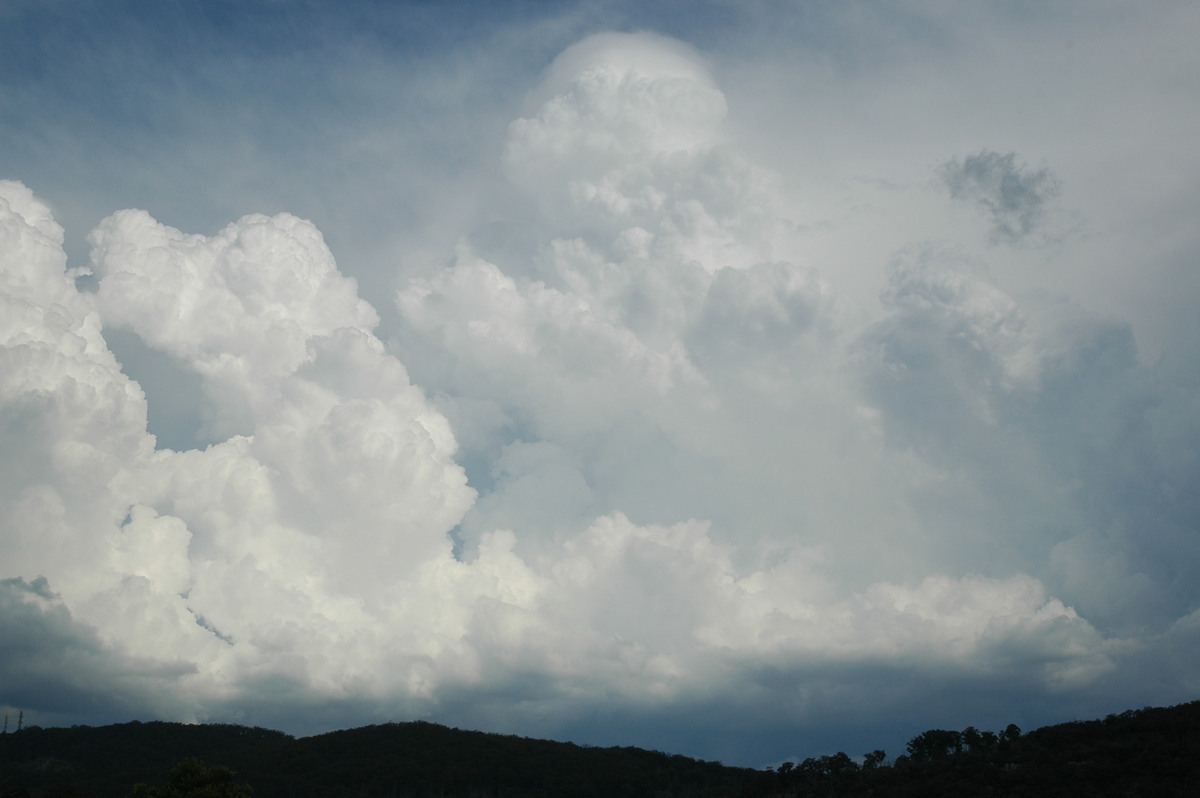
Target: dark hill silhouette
x=397 y=759
x=1140 y=752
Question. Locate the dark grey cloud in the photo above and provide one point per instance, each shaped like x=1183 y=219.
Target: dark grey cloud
x=1014 y=197
x=1047 y=412
x=56 y=669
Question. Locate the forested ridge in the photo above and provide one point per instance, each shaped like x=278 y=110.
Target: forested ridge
x=1138 y=752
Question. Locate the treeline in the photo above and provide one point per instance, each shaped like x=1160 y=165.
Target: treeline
x=1140 y=752
x=1152 y=752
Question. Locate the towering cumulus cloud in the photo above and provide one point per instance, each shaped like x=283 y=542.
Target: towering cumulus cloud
x=276 y=551
x=336 y=433
x=700 y=488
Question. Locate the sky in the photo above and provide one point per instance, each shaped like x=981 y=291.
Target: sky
x=745 y=380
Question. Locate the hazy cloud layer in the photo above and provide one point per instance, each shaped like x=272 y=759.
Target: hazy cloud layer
x=625 y=459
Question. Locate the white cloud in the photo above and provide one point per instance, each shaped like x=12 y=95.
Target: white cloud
x=314 y=550
x=626 y=152
x=240 y=307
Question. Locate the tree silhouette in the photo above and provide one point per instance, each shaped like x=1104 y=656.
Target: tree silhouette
x=934 y=744
x=874 y=759
x=191 y=778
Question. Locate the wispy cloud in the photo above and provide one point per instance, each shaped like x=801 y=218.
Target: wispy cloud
x=1014 y=197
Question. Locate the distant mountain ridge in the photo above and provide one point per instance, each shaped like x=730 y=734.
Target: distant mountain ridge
x=1139 y=752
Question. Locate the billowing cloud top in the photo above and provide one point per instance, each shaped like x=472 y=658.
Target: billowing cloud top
x=651 y=465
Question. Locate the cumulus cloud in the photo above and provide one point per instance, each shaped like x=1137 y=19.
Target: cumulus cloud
x=626 y=153
x=240 y=552
x=63 y=668
x=312 y=548
x=1044 y=402
x=1014 y=197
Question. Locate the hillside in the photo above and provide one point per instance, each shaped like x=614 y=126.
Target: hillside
x=399 y=759
x=1140 y=752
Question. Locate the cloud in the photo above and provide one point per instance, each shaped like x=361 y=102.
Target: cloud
x=236 y=567
x=1014 y=198
x=1043 y=402
x=60 y=666
x=238 y=551
x=283 y=344
x=626 y=153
